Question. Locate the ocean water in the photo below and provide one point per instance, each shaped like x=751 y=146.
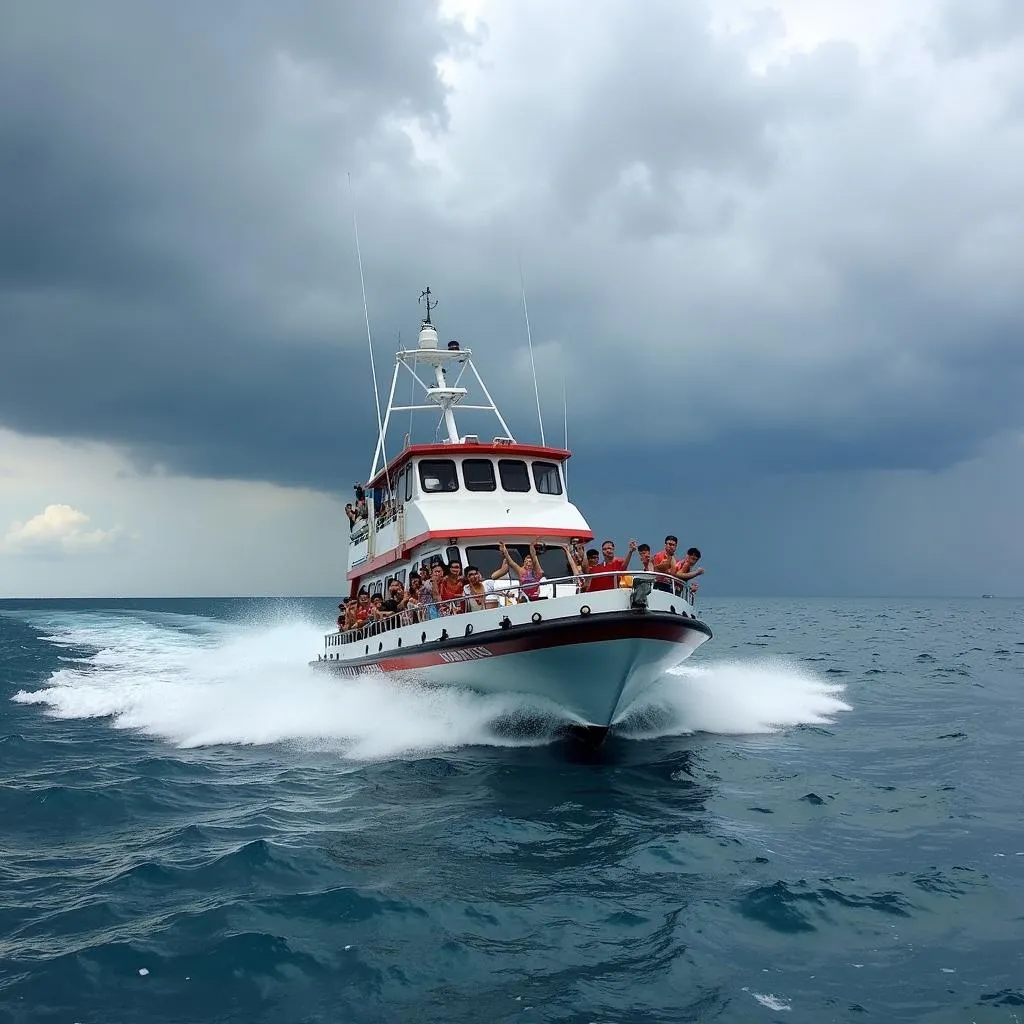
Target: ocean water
x=819 y=818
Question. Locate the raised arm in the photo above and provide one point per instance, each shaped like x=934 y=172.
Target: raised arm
x=580 y=568
x=629 y=554
x=575 y=569
x=502 y=571
x=691 y=574
x=511 y=561
x=539 y=569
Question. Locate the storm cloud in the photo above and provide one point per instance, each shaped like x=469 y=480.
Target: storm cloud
x=748 y=256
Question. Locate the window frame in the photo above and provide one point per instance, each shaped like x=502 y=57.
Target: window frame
x=526 y=475
x=558 y=477
x=482 y=462
x=423 y=463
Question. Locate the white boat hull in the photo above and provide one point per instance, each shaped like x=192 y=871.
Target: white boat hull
x=592 y=655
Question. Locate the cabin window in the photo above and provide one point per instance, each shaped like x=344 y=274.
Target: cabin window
x=408 y=483
x=438 y=475
x=454 y=555
x=546 y=478
x=478 y=474
x=514 y=476
x=488 y=558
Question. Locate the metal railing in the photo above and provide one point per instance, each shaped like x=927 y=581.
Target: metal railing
x=367 y=528
x=506 y=597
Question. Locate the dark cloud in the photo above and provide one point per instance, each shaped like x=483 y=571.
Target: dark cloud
x=801 y=268
x=159 y=213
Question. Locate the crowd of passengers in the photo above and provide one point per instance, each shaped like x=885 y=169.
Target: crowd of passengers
x=437 y=590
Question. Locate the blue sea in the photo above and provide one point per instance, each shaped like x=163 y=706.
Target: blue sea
x=818 y=818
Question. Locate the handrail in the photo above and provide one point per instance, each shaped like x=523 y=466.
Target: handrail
x=454 y=605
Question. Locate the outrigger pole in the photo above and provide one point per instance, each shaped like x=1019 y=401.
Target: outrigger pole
x=366 y=314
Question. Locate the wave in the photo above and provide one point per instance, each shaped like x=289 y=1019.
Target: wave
x=736 y=698
x=200 y=682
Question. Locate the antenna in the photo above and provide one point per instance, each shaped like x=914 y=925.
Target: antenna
x=529 y=338
x=366 y=313
x=425 y=298
x=565 y=422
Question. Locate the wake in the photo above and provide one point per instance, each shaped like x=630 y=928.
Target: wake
x=197 y=682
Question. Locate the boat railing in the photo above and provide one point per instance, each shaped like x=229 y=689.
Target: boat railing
x=507 y=595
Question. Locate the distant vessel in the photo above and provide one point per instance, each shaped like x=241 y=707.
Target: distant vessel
x=458 y=499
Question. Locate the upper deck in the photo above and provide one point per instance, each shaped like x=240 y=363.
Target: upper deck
x=461 y=487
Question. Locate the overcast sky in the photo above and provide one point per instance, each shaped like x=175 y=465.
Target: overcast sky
x=775 y=246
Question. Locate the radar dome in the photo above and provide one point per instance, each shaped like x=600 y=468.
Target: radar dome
x=428 y=336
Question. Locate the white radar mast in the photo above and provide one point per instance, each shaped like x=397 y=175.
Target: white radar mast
x=438 y=393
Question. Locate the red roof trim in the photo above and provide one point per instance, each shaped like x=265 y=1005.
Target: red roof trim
x=402 y=554
x=534 y=451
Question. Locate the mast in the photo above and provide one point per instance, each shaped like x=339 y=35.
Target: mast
x=437 y=393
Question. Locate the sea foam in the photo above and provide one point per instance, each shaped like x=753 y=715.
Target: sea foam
x=199 y=682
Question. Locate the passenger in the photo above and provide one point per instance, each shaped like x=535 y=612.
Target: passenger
x=609 y=565
x=432 y=598
x=591 y=565
x=452 y=586
x=353 y=516
x=360 y=502
x=529 y=573
x=686 y=571
x=646 y=558
x=665 y=562
x=413 y=606
x=396 y=601
x=364 y=608
x=480 y=593
x=341 y=615
x=351 y=620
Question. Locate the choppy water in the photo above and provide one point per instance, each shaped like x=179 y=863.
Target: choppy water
x=819 y=819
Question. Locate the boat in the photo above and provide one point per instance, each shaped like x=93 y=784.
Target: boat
x=458 y=498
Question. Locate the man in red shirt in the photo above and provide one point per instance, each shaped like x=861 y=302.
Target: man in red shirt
x=610 y=564
x=665 y=562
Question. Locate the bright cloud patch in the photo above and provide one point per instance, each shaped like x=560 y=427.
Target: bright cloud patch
x=58 y=530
